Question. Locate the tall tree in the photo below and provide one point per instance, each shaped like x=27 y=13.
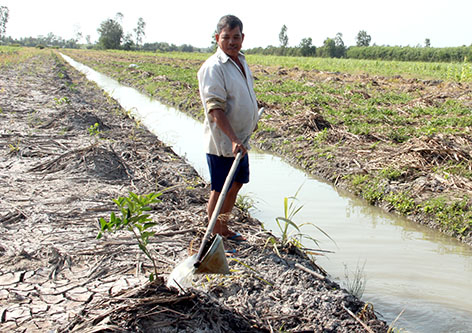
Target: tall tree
x=362 y=38
x=128 y=43
x=306 y=47
x=340 y=49
x=427 y=42
x=111 y=34
x=283 y=37
x=328 y=50
x=3 y=20
x=139 y=31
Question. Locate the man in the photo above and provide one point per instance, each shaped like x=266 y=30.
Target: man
x=226 y=90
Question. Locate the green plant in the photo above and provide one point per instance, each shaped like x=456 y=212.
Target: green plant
x=321 y=137
x=453 y=214
x=390 y=173
x=244 y=202
x=401 y=201
x=373 y=192
x=358 y=179
x=398 y=135
x=62 y=100
x=356 y=284
x=14 y=148
x=94 y=130
x=285 y=223
x=134 y=219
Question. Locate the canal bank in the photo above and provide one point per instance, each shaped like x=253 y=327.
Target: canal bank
x=401 y=258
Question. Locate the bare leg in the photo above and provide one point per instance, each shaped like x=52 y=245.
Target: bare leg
x=221 y=226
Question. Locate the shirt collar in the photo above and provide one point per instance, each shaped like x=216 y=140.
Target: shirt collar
x=224 y=57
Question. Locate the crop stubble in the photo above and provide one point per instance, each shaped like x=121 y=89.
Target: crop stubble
x=59 y=176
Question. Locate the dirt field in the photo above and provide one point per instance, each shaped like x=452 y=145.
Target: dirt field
x=59 y=174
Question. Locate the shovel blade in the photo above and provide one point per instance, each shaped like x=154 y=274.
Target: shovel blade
x=181 y=276
x=214 y=261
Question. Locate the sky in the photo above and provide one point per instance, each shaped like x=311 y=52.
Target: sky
x=394 y=23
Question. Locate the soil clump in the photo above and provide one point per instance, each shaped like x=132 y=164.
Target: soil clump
x=68 y=150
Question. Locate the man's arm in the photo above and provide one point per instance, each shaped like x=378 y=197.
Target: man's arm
x=219 y=117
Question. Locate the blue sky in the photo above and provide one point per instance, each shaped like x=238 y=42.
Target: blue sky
x=400 y=22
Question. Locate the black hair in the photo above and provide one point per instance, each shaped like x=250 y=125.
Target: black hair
x=230 y=21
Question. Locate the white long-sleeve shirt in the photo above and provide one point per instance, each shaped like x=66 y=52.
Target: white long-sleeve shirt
x=223 y=85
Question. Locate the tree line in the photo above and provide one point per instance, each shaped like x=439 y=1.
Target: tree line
x=335 y=48
x=408 y=53
x=112 y=36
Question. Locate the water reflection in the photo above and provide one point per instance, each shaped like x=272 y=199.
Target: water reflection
x=408 y=266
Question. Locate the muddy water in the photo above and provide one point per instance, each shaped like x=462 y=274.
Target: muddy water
x=406 y=267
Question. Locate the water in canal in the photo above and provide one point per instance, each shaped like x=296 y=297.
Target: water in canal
x=407 y=267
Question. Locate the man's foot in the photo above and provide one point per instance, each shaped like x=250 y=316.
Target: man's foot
x=235 y=236
x=231 y=253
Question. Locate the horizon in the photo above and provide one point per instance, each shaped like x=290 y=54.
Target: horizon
x=403 y=24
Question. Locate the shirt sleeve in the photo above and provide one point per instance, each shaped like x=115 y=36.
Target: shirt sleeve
x=213 y=88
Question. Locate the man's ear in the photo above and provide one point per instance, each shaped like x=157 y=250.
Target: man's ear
x=217 y=37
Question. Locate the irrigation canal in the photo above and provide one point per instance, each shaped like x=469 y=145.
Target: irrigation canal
x=407 y=267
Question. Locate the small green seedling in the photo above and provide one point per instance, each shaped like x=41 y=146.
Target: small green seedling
x=134 y=219
x=62 y=100
x=285 y=223
x=94 y=130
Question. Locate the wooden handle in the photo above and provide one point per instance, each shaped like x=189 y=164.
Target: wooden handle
x=219 y=204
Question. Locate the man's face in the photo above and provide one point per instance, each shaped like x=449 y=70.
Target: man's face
x=230 y=41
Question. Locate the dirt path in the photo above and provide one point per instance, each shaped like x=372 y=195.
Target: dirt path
x=67 y=150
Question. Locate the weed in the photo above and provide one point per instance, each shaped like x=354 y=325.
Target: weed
x=320 y=138
x=14 y=148
x=285 y=223
x=373 y=192
x=244 y=202
x=402 y=202
x=355 y=285
x=134 y=219
x=374 y=145
x=62 y=100
x=94 y=130
x=263 y=127
x=398 y=135
x=460 y=169
x=357 y=179
x=454 y=215
x=390 y=173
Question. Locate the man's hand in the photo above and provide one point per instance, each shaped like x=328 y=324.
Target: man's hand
x=219 y=117
x=238 y=146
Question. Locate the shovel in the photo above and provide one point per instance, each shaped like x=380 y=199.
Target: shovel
x=211 y=258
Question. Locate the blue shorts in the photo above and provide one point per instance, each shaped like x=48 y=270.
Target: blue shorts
x=219 y=168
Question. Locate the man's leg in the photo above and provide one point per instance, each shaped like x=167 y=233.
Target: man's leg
x=221 y=226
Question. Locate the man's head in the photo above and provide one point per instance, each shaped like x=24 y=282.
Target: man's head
x=229 y=35
x=229 y=21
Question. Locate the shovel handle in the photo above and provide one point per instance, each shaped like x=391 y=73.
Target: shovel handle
x=219 y=204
